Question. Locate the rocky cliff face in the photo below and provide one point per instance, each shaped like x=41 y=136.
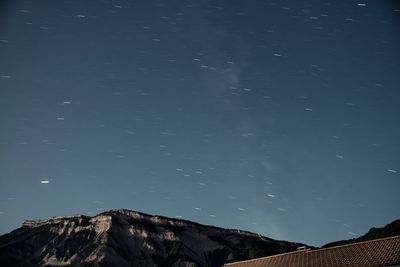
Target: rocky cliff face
x=127 y=238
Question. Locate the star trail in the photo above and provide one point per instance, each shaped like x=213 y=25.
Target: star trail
x=277 y=117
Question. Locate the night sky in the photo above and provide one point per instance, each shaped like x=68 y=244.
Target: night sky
x=277 y=117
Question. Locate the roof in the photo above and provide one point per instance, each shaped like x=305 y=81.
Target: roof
x=373 y=253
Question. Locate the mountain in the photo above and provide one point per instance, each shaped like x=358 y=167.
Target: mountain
x=391 y=229
x=128 y=238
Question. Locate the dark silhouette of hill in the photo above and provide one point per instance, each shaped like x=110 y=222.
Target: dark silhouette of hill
x=391 y=229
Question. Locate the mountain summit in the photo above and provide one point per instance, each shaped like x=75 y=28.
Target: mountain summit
x=129 y=238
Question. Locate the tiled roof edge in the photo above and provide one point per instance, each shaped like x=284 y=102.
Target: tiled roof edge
x=315 y=250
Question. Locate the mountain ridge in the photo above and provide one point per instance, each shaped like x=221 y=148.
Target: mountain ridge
x=123 y=237
x=129 y=238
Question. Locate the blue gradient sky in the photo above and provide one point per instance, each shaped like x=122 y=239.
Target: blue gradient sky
x=277 y=117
